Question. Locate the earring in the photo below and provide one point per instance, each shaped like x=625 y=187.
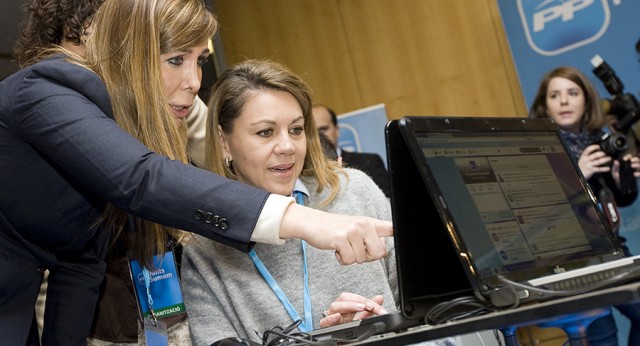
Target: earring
x=227 y=162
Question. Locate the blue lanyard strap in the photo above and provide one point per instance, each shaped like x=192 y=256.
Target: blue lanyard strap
x=147 y=283
x=307 y=324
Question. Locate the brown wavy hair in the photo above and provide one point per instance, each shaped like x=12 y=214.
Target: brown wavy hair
x=235 y=87
x=47 y=23
x=593 y=118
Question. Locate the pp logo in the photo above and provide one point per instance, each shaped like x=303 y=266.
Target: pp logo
x=141 y=279
x=556 y=26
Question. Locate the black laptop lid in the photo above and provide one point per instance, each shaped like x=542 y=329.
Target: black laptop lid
x=422 y=246
x=505 y=193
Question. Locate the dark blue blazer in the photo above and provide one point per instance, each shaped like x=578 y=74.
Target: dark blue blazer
x=62 y=157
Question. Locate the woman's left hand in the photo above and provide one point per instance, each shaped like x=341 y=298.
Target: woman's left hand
x=351 y=307
x=635 y=166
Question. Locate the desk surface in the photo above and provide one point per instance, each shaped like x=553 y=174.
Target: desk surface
x=521 y=316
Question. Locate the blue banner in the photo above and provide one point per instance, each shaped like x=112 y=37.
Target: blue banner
x=362 y=130
x=544 y=34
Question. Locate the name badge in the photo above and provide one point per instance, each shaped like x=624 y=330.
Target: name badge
x=160 y=291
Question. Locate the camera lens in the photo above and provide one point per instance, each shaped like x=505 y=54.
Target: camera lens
x=613 y=144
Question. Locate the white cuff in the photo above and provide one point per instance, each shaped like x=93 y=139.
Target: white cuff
x=267 y=228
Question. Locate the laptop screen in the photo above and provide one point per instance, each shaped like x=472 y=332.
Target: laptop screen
x=512 y=199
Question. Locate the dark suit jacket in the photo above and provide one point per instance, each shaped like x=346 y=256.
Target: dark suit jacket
x=62 y=157
x=371 y=164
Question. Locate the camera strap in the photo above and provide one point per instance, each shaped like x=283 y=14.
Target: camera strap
x=608 y=205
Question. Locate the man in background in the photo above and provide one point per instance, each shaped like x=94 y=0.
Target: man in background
x=370 y=163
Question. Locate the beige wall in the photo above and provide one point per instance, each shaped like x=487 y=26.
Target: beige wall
x=418 y=57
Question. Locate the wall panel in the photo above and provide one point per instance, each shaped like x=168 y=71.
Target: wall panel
x=424 y=57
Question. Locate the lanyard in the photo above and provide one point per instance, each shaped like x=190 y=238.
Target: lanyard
x=147 y=284
x=307 y=324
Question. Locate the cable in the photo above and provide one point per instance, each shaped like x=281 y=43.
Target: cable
x=277 y=336
x=375 y=328
x=455 y=309
x=497 y=335
x=452 y=310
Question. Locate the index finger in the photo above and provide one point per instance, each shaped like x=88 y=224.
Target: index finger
x=376 y=247
x=383 y=228
x=592 y=149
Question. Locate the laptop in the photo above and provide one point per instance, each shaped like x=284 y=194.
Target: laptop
x=490 y=208
x=520 y=223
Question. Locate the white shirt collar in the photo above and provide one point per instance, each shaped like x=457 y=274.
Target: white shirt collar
x=299 y=186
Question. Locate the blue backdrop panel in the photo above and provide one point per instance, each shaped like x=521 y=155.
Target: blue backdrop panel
x=545 y=34
x=362 y=130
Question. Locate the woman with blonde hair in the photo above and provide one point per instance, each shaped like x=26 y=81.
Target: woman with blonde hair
x=67 y=23
x=95 y=148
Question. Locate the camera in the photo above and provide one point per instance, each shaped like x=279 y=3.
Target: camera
x=613 y=144
x=623 y=105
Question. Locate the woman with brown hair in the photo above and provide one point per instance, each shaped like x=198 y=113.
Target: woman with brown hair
x=261 y=131
x=567 y=97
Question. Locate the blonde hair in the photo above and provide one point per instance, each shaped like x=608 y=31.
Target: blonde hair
x=124 y=50
x=228 y=97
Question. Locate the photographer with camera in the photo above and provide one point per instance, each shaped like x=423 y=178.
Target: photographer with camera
x=567 y=97
x=621 y=109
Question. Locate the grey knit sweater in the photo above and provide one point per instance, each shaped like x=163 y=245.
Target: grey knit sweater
x=226 y=296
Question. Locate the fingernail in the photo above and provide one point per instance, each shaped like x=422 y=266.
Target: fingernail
x=369 y=305
x=383 y=310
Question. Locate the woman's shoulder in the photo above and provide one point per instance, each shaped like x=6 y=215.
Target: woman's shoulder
x=349 y=178
x=69 y=74
x=359 y=195
x=56 y=76
x=355 y=178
